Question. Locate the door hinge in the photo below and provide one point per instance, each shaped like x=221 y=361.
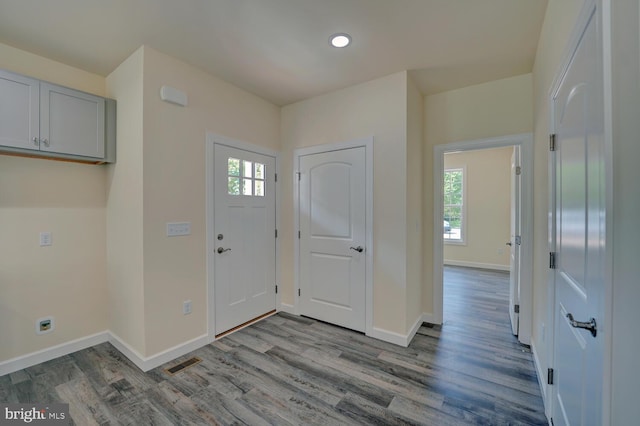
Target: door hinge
x=518 y=240
x=549 y=376
x=518 y=170
x=516 y=309
x=276 y=233
x=299 y=175
x=552 y=142
x=299 y=234
x=552 y=260
x=276 y=177
x=299 y=292
x=276 y=289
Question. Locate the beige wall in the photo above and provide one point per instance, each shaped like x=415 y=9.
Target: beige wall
x=376 y=108
x=487 y=207
x=559 y=20
x=497 y=108
x=415 y=219
x=68 y=279
x=165 y=146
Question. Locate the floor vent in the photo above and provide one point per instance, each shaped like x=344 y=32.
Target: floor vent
x=184 y=364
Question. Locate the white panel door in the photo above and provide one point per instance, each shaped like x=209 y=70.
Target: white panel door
x=580 y=234
x=244 y=228
x=514 y=242
x=332 y=237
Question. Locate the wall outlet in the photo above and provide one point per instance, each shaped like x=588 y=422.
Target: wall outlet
x=175 y=229
x=45 y=325
x=186 y=307
x=45 y=239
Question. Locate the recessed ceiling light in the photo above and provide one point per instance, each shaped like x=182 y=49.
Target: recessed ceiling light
x=340 y=40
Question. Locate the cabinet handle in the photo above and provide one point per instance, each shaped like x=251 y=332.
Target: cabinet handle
x=45 y=142
x=35 y=141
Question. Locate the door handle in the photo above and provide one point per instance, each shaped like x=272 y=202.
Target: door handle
x=359 y=249
x=589 y=325
x=222 y=250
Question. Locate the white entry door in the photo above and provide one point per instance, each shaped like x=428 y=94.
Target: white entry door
x=580 y=234
x=332 y=237
x=244 y=232
x=514 y=242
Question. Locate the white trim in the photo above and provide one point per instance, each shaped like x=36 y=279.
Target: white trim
x=286 y=307
x=525 y=141
x=148 y=363
x=367 y=143
x=211 y=140
x=397 y=338
x=44 y=355
x=541 y=376
x=480 y=265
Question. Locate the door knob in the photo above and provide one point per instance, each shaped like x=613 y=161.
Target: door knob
x=359 y=249
x=222 y=250
x=589 y=325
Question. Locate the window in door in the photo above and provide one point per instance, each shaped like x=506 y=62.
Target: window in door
x=453 y=224
x=245 y=177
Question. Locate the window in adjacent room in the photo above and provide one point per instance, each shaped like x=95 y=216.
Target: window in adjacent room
x=453 y=224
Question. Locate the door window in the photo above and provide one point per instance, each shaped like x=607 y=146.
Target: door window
x=245 y=177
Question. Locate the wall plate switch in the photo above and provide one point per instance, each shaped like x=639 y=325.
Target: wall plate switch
x=175 y=229
x=45 y=239
x=186 y=307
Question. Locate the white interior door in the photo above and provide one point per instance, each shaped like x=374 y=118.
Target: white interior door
x=580 y=234
x=514 y=242
x=244 y=228
x=332 y=237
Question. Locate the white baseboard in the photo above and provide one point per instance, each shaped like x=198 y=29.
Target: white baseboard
x=431 y=319
x=28 y=360
x=397 y=338
x=148 y=363
x=480 y=265
x=541 y=378
x=287 y=308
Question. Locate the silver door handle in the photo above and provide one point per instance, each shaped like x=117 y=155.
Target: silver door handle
x=589 y=325
x=35 y=141
x=359 y=249
x=222 y=250
x=45 y=142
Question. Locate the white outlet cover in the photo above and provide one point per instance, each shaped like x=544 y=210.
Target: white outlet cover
x=52 y=325
x=45 y=239
x=176 y=229
x=186 y=307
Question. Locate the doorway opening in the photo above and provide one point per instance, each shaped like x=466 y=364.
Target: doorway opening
x=476 y=223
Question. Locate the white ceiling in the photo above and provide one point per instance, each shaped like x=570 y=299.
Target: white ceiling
x=279 y=49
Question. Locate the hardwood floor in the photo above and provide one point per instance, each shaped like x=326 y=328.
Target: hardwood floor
x=293 y=370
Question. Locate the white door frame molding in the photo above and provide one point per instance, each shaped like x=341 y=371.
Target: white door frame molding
x=367 y=143
x=525 y=142
x=211 y=140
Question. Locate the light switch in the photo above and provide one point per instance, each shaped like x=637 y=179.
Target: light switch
x=175 y=229
x=45 y=239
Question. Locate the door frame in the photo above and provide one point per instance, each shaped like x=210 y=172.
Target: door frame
x=605 y=327
x=367 y=143
x=525 y=142
x=211 y=140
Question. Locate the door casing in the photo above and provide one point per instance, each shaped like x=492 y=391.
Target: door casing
x=211 y=140
x=525 y=142
x=367 y=143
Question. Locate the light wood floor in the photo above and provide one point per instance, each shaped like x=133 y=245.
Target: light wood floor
x=294 y=370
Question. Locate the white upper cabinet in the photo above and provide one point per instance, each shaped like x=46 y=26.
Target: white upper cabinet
x=71 y=122
x=19 y=111
x=45 y=120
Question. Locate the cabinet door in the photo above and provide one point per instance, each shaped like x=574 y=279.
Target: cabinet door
x=19 y=111
x=71 y=122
